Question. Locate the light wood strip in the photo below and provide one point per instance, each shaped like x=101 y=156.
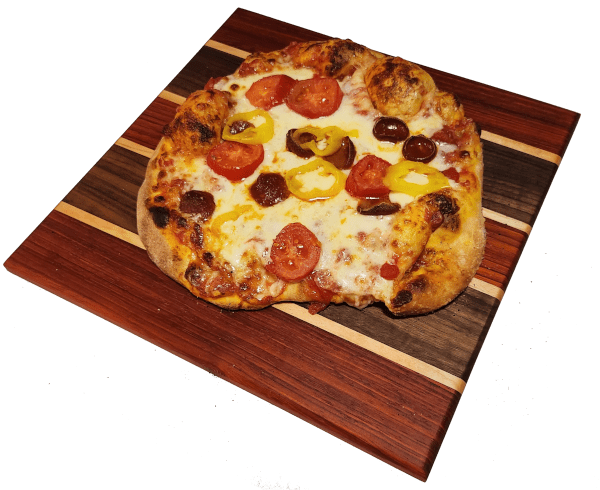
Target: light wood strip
x=494 y=138
x=134 y=147
x=486 y=288
x=522 y=147
x=374 y=346
x=227 y=49
x=506 y=220
x=100 y=224
x=171 y=97
x=321 y=322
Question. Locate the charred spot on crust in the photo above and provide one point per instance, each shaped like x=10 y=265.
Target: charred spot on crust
x=341 y=53
x=194 y=275
x=208 y=257
x=417 y=285
x=402 y=298
x=205 y=133
x=160 y=216
x=444 y=203
x=452 y=222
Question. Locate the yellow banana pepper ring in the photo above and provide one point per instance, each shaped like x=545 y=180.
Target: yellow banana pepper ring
x=229 y=216
x=252 y=135
x=332 y=135
x=396 y=182
x=307 y=191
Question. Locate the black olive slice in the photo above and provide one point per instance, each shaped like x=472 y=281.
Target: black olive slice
x=377 y=207
x=419 y=148
x=293 y=145
x=343 y=158
x=390 y=129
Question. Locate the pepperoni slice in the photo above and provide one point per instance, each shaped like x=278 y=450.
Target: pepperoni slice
x=389 y=271
x=295 y=253
x=366 y=178
x=315 y=97
x=270 y=91
x=235 y=160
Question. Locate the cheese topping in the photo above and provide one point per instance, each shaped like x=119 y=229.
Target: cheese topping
x=354 y=246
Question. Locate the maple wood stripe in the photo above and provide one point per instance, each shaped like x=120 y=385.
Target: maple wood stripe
x=134 y=147
x=295 y=310
x=506 y=220
x=485 y=135
x=100 y=224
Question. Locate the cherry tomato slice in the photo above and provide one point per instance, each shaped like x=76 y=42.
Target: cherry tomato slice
x=315 y=97
x=295 y=253
x=366 y=178
x=235 y=160
x=270 y=91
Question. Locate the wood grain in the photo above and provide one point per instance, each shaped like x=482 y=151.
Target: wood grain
x=370 y=400
x=444 y=339
x=378 y=406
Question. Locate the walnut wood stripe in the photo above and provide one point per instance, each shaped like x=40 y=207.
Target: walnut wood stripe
x=292 y=309
x=384 y=409
x=522 y=147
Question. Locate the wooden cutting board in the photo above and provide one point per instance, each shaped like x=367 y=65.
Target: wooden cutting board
x=387 y=386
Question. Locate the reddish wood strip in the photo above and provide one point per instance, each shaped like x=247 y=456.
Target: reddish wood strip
x=502 y=251
x=520 y=118
x=147 y=129
x=384 y=409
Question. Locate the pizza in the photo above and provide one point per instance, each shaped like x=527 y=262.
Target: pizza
x=320 y=173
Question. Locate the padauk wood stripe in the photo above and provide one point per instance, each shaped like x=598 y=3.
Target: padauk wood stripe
x=485 y=135
x=297 y=311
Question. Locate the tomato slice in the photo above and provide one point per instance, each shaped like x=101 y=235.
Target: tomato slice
x=235 y=160
x=315 y=97
x=366 y=178
x=270 y=91
x=295 y=253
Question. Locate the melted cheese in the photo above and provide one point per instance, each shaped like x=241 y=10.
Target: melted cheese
x=354 y=246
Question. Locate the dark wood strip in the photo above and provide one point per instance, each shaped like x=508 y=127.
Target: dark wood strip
x=515 y=184
x=109 y=190
x=380 y=407
x=520 y=118
x=207 y=63
x=254 y=32
x=448 y=339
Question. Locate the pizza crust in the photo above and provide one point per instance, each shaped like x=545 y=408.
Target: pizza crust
x=437 y=260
